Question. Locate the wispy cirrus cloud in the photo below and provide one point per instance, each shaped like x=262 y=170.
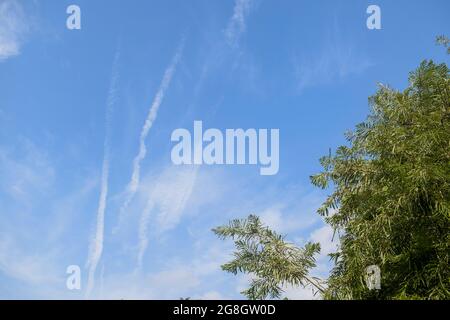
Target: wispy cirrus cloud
x=167 y=199
x=236 y=25
x=198 y=277
x=29 y=268
x=329 y=243
x=337 y=59
x=26 y=172
x=13 y=26
x=334 y=63
x=37 y=219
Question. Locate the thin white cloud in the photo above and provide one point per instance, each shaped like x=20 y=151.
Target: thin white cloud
x=277 y=219
x=26 y=171
x=33 y=247
x=177 y=278
x=211 y=295
x=329 y=243
x=324 y=236
x=330 y=65
x=337 y=59
x=220 y=50
x=13 y=26
x=36 y=218
x=96 y=245
x=236 y=25
x=29 y=268
x=170 y=283
x=173 y=277
x=168 y=199
x=151 y=117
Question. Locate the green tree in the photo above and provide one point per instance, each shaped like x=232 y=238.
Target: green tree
x=390 y=204
x=391 y=198
x=270 y=260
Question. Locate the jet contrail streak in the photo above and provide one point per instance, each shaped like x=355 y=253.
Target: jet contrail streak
x=151 y=117
x=96 y=245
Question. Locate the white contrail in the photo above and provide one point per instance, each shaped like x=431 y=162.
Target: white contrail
x=96 y=245
x=174 y=199
x=151 y=117
x=143 y=227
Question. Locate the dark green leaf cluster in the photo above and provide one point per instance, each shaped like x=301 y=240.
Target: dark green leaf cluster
x=391 y=193
x=444 y=41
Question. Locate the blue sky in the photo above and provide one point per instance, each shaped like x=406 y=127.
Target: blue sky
x=73 y=106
